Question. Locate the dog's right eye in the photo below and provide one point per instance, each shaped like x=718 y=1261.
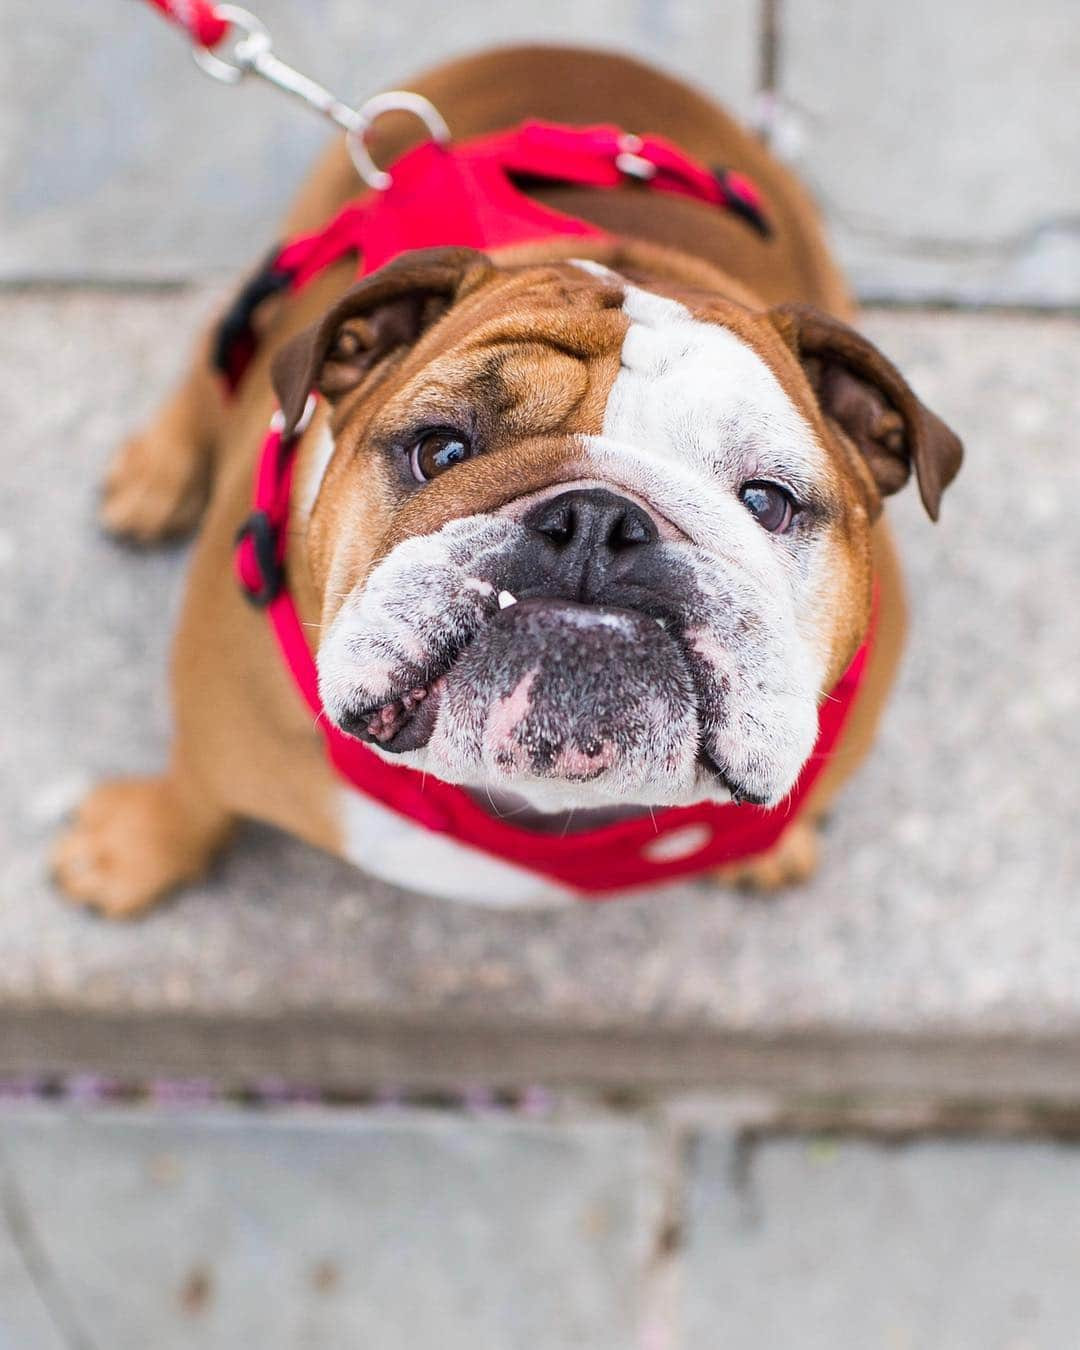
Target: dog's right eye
x=437 y=451
x=772 y=506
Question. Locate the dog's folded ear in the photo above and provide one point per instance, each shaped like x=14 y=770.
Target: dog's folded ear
x=863 y=394
x=385 y=311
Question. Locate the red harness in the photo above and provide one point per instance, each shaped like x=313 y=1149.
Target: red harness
x=466 y=195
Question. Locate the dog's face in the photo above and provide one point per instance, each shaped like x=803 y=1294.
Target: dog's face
x=590 y=541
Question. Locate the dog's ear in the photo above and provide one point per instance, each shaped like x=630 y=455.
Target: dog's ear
x=387 y=310
x=862 y=393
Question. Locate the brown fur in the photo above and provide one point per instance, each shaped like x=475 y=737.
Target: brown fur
x=244 y=743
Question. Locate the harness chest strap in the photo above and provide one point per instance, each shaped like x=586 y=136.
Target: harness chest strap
x=480 y=206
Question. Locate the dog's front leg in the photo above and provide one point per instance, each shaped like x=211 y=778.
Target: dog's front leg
x=159 y=480
x=135 y=839
x=791 y=861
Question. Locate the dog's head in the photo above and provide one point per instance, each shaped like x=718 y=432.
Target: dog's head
x=593 y=541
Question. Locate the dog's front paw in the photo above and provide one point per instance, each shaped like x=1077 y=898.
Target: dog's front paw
x=156 y=488
x=792 y=860
x=128 y=845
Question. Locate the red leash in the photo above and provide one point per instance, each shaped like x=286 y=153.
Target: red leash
x=204 y=24
x=251 y=53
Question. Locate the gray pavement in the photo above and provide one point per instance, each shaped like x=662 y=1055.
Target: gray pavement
x=938 y=137
x=403 y=1230
x=160 y=172
x=391 y=1230
x=934 y=1245
x=937 y=950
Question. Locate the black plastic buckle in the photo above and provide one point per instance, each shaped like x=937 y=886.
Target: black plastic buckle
x=739 y=206
x=235 y=339
x=264 y=540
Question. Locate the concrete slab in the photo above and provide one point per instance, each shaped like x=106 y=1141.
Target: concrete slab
x=214 y=1228
x=940 y=137
x=25 y=1319
x=938 y=949
x=384 y=1229
x=119 y=159
x=804 y=1245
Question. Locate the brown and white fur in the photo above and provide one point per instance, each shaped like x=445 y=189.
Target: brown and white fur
x=662 y=371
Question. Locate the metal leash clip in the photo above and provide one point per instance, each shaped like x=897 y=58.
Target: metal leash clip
x=250 y=52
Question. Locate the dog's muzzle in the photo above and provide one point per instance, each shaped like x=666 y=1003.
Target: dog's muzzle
x=576 y=675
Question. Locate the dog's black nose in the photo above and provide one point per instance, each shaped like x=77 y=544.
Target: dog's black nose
x=587 y=537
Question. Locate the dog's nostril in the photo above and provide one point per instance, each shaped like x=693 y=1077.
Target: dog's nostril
x=593 y=517
x=632 y=528
x=558 y=525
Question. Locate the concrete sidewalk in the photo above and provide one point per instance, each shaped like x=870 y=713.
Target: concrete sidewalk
x=961 y=184
x=938 y=951
x=409 y=1230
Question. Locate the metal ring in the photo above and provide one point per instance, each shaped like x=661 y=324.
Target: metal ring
x=394 y=100
x=254 y=41
x=631 y=161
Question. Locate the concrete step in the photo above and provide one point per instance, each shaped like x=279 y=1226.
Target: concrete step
x=938 y=951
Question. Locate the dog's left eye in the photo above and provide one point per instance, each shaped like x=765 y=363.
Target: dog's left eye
x=436 y=451
x=772 y=506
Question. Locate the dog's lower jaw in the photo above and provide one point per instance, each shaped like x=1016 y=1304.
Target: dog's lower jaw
x=401 y=724
x=402 y=732
x=549 y=798
x=713 y=770
x=407 y=730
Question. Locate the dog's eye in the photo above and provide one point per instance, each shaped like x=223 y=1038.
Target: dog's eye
x=771 y=506
x=437 y=451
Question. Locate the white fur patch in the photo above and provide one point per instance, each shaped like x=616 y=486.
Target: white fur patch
x=694 y=413
x=404 y=854
x=422 y=602
x=313 y=469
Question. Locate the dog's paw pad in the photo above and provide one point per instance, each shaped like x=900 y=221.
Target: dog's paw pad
x=123 y=850
x=154 y=489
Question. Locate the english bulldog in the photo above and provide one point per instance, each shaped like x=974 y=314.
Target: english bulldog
x=589 y=527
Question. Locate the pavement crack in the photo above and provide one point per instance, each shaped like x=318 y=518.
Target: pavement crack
x=769 y=45
x=15 y=1214
x=954 y=249
x=741 y=1178
x=790 y=126
x=662 y=1277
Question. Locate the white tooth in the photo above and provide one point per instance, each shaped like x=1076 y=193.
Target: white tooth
x=661 y=624
x=506 y=599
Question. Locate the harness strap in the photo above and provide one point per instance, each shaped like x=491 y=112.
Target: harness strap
x=262 y=539
x=477 y=186
x=605 y=156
